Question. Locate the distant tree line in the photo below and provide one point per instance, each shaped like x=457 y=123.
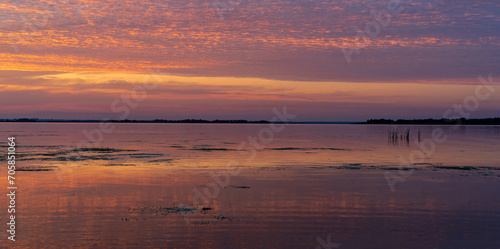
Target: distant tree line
x=430 y=121
x=240 y=121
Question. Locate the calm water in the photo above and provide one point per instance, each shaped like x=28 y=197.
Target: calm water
x=209 y=186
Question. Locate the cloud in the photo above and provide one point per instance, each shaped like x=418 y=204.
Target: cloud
x=90 y=95
x=59 y=57
x=287 y=40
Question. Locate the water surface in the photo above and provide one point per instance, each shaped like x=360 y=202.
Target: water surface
x=139 y=186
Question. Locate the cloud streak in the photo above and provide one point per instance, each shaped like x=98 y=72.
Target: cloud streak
x=89 y=95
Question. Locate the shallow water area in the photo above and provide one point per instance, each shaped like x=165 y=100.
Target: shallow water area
x=208 y=186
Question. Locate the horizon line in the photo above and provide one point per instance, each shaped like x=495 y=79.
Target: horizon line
x=189 y=120
x=429 y=121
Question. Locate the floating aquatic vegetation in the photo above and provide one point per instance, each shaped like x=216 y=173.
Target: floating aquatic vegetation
x=177 y=146
x=304 y=149
x=163 y=160
x=41 y=168
x=400 y=168
x=233 y=186
x=197 y=216
x=457 y=167
x=163 y=210
x=143 y=155
x=103 y=150
x=467 y=168
x=212 y=149
x=119 y=164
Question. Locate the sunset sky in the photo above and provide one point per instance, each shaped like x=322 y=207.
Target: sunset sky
x=240 y=59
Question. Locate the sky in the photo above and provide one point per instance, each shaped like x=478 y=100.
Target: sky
x=324 y=60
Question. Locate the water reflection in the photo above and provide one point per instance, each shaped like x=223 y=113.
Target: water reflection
x=312 y=180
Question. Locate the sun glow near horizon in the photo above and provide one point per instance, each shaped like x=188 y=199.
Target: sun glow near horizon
x=221 y=97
